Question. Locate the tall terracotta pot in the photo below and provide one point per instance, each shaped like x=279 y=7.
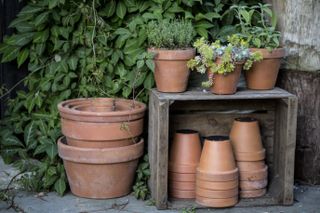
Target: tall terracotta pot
x=246 y=140
x=171 y=71
x=101 y=122
x=100 y=172
x=263 y=74
x=226 y=84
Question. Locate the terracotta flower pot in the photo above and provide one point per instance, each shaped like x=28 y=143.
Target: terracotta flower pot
x=171 y=71
x=217 y=185
x=182 y=194
x=217 y=203
x=174 y=176
x=263 y=74
x=253 y=184
x=246 y=140
x=182 y=185
x=219 y=176
x=101 y=122
x=100 y=172
x=250 y=166
x=255 y=174
x=216 y=193
x=185 y=151
x=253 y=193
x=217 y=157
x=226 y=84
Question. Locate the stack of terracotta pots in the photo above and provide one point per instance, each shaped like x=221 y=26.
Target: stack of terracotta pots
x=217 y=174
x=102 y=145
x=250 y=155
x=184 y=158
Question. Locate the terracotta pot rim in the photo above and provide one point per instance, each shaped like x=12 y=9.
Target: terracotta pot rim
x=173 y=55
x=217 y=193
x=182 y=168
x=217 y=202
x=186 y=131
x=251 y=156
x=217 y=185
x=265 y=169
x=246 y=119
x=64 y=107
x=99 y=155
x=275 y=53
x=218 y=138
x=221 y=176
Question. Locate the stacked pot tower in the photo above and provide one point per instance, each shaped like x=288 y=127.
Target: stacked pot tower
x=102 y=145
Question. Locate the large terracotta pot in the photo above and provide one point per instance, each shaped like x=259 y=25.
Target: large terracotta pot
x=185 y=151
x=217 y=157
x=100 y=172
x=226 y=84
x=171 y=71
x=101 y=122
x=246 y=140
x=263 y=74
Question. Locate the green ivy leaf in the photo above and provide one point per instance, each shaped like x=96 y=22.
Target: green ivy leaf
x=60 y=186
x=30 y=133
x=109 y=10
x=20 y=39
x=42 y=18
x=41 y=37
x=22 y=56
x=72 y=62
x=149 y=82
x=24 y=27
x=150 y=64
x=29 y=9
x=11 y=140
x=121 y=10
x=51 y=150
x=53 y=3
x=10 y=54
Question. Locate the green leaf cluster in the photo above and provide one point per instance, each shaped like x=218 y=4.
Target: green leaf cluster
x=84 y=48
x=140 y=188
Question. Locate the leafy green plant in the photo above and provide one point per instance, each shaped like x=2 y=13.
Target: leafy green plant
x=228 y=55
x=83 y=48
x=170 y=34
x=140 y=188
x=258 y=25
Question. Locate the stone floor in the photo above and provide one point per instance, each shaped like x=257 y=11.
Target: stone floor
x=307 y=200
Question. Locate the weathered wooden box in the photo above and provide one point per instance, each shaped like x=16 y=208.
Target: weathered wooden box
x=210 y=114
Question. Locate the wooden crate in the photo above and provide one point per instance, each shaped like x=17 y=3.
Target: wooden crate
x=210 y=114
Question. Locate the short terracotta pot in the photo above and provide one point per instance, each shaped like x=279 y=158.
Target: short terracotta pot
x=254 y=184
x=185 y=151
x=217 y=156
x=246 y=140
x=263 y=74
x=254 y=175
x=182 y=194
x=253 y=193
x=174 y=176
x=171 y=72
x=216 y=193
x=250 y=166
x=100 y=172
x=182 y=185
x=101 y=122
x=226 y=84
x=217 y=185
x=217 y=203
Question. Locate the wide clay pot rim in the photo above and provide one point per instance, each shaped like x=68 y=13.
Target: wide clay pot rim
x=62 y=106
x=246 y=119
x=173 y=54
x=187 y=131
x=99 y=155
x=217 y=138
x=266 y=54
x=216 y=202
x=250 y=156
x=218 y=176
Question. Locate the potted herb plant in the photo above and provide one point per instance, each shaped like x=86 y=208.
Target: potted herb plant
x=223 y=63
x=258 y=25
x=171 y=42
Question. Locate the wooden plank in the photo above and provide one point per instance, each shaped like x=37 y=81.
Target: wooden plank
x=162 y=141
x=198 y=94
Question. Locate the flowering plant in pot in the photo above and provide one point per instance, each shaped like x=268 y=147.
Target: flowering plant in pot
x=171 y=42
x=258 y=26
x=223 y=63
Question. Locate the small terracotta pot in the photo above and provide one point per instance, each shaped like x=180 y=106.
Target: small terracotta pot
x=245 y=138
x=217 y=194
x=263 y=74
x=171 y=72
x=254 y=184
x=226 y=84
x=185 y=151
x=190 y=185
x=253 y=193
x=174 y=176
x=217 y=185
x=221 y=176
x=254 y=175
x=250 y=166
x=217 y=156
x=101 y=122
x=217 y=203
x=100 y=172
x=182 y=194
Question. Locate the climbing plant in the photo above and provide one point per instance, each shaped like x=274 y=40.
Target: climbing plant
x=83 y=48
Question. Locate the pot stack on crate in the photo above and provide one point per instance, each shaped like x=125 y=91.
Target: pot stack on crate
x=229 y=168
x=102 y=145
